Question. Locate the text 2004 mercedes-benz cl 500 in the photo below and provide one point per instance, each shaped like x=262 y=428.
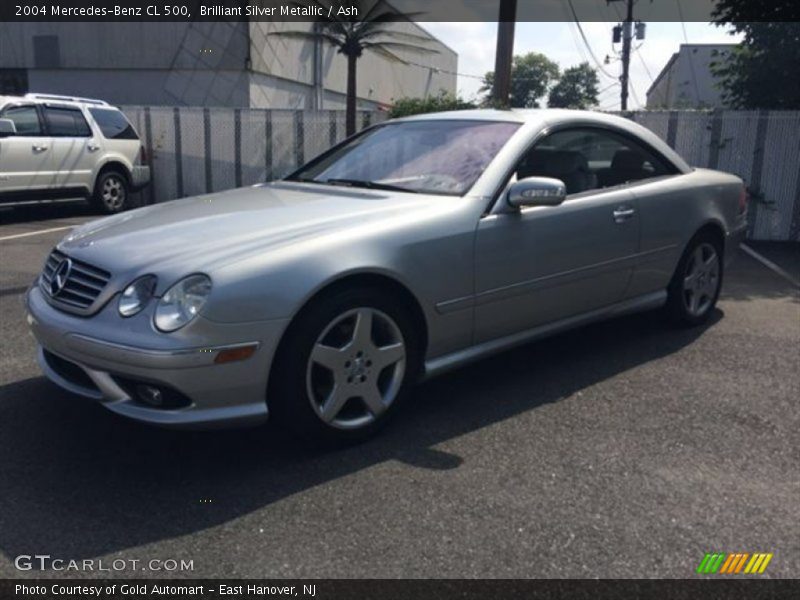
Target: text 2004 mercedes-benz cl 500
x=416 y=246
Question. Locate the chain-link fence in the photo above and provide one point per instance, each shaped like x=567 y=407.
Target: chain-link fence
x=761 y=147
x=199 y=150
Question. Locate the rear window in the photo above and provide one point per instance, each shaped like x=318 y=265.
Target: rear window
x=113 y=124
x=66 y=122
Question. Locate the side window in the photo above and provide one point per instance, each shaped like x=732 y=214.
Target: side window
x=26 y=120
x=113 y=124
x=589 y=159
x=65 y=121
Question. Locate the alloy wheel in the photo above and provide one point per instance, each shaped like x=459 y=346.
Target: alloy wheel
x=356 y=367
x=701 y=280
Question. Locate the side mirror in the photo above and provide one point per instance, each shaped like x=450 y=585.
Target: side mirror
x=7 y=128
x=536 y=191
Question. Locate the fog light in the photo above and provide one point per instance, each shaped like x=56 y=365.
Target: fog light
x=150 y=395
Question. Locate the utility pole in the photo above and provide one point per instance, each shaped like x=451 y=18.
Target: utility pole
x=504 y=54
x=627 y=37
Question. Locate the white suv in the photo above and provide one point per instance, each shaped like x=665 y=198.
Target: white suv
x=65 y=147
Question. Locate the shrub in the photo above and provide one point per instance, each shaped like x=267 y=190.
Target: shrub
x=404 y=107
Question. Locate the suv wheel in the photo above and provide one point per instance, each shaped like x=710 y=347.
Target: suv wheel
x=111 y=192
x=343 y=368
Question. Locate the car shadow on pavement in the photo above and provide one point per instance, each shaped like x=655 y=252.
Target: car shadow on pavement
x=45 y=211
x=78 y=481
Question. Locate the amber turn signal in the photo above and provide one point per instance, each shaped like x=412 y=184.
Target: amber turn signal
x=234 y=354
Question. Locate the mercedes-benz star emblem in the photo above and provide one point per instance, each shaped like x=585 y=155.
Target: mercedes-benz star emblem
x=60 y=276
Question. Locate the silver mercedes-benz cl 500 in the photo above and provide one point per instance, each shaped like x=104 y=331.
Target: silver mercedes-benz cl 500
x=416 y=246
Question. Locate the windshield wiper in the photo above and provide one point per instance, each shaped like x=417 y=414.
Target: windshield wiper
x=371 y=185
x=302 y=179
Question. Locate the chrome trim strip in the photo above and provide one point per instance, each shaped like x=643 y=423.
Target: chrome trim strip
x=163 y=353
x=442 y=364
x=523 y=287
x=448 y=306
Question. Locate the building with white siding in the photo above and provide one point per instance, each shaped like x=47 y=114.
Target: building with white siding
x=222 y=63
x=686 y=81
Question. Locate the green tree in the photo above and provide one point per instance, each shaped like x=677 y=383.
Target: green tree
x=577 y=88
x=370 y=30
x=762 y=71
x=404 y=107
x=531 y=76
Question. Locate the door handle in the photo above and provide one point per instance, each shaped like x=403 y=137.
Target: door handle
x=39 y=147
x=623 y=213
x=92 y=147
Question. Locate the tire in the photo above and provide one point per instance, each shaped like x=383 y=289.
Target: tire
x=111 y=192
x=694 y=290
x=336 y=381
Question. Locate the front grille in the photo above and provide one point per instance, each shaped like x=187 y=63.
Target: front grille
x=82 y=284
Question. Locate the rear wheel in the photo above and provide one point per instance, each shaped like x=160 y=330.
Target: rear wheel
x=695 y=287
x=111 y=192
x=343 y=367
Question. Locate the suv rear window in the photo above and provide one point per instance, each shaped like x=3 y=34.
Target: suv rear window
x=113 y=124
x=64 y=121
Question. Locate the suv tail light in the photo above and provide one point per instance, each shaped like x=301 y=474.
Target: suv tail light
x=142 y=155
x=743 y=200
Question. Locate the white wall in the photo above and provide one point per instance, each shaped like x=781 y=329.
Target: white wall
x=688 y=81
x=205 y=64
x=379 y=79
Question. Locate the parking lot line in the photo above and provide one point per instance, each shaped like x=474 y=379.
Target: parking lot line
x=770 y=265
x=30 y=233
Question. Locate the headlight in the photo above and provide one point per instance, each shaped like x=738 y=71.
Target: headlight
x=182 y=302
x=136 y=296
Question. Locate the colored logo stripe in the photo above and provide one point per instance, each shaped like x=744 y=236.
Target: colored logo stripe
x=711 y=562
x=733 y=563
x=758 y=563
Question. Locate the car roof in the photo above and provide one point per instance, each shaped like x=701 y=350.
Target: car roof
x=42 y=98
x=519 y=115
x=548 y=117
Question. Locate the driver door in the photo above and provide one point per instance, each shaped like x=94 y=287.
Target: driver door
x=538 y=265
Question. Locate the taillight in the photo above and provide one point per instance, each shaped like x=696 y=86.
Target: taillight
x=743 y=200
x=142 y=155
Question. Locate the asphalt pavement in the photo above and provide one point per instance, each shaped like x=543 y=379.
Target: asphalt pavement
x=624 y=449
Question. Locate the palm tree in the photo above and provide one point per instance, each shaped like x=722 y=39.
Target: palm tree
x=366 y=31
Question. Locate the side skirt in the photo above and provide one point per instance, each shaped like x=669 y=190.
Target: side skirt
x=448 y=362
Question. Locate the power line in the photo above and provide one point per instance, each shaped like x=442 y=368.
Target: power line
x=635 y=96
x=574 y=37
x=586 y=42
x=644 y=64
x=605 y=89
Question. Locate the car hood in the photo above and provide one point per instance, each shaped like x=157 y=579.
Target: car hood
x=207 y=231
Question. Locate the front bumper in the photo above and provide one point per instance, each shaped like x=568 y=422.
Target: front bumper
x=218 y=395
x=140 y=176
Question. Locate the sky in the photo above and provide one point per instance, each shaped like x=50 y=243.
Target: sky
x=561 y=42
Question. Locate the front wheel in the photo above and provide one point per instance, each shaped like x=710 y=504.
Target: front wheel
x=343 y=367
x=695 y=287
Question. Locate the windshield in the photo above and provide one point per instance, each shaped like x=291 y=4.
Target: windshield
x=438 y=157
